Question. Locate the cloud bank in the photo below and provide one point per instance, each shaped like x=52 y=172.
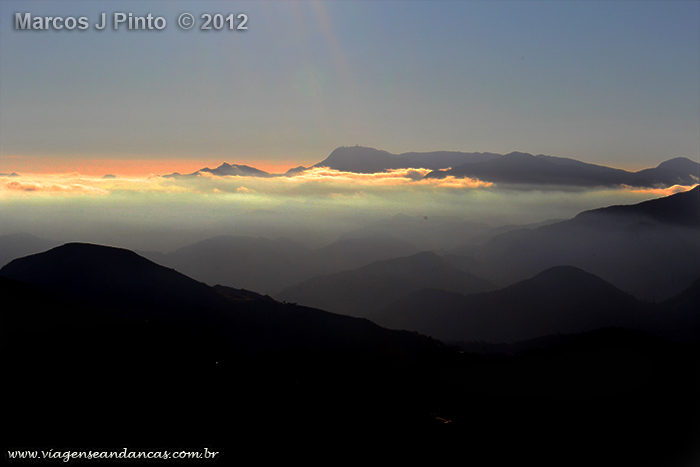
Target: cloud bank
x=162 y=213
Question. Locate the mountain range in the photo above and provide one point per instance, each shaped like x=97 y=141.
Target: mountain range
x=515 y=168
x=268 y=266
x=562 y=299
x=522 y=168
x=146 y=357
x=650 y=249
x=363 y=291
x=118 y=282
x=568 y=342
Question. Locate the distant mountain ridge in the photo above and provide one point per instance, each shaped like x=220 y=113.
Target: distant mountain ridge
x=523 y=168
x=362 y=291
x=246 y=368
x=121 y=283
x=650 y=249
x=562 y=299
x=682 y=209
x=226 y=169
x=268 y=266
x=512 y=168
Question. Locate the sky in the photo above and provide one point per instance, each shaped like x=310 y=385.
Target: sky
x=607 y=82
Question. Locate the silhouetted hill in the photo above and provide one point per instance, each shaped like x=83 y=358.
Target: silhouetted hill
x=115 y=280
x=650 y=249
x=362 y=291
x=523 y=168
x=264 y=374
x=146 y=339
x=123 y=284
x=681 y=165
x=563 y=299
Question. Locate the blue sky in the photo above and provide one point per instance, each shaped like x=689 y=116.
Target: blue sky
x=615 y=83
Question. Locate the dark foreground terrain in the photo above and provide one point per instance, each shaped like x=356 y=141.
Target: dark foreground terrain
x=104 y=349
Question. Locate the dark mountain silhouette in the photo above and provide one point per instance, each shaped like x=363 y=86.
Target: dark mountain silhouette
x=121 y=283
x=650 y=249
x=360 y=159
x=602 y=373
x=362 y=291
x=115 y=280
x=523 y=168
x=563 y=300
x=138 y=338
x=246 y=373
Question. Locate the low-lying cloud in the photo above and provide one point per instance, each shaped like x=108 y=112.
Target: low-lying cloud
x=47 y=186
x=161 y=213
